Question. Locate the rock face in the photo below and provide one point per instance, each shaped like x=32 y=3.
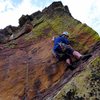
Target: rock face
x=24 y=19
x=28 y=18
x=6 y=32
x=55 y=8
x=86 y=85
x=28 y=71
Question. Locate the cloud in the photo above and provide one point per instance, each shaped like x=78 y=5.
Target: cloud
x=5 y=6
x=42 y=4
x=16 y=2
x=9 y=13
x=85 y=11
x=94 y=14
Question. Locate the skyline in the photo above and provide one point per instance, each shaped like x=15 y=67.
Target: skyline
x=85 y=11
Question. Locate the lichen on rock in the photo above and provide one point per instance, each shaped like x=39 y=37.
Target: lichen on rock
x=85 y=86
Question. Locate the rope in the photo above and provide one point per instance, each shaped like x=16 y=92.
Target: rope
x=26 y=80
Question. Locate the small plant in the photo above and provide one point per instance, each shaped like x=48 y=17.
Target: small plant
x=10 y=45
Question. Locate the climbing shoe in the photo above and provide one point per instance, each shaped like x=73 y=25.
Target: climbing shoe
x=72 y=67
x=86 y=57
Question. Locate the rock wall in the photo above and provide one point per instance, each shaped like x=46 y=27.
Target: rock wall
x=27 y=68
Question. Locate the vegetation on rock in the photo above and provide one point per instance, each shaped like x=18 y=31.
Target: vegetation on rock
x=29 y=71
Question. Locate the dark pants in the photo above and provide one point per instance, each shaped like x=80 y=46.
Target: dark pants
x=63 y=55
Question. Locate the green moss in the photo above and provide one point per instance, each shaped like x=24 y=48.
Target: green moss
x=83 y=28
x=10 y=45
x=56 y=25
x=37 y=31
x=78 y=28
x=96 y=37
x=95 y=62
x=85 y=85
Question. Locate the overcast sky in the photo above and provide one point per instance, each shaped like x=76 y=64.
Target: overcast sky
x=86 y=11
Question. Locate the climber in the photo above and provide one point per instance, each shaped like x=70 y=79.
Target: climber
x=62 y=49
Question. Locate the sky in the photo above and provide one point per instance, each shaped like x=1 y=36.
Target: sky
x=86 y=11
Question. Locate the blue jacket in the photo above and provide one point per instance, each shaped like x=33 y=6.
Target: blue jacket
x=57 y=40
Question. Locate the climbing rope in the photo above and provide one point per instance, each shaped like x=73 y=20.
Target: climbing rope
x=27 y=80
x=26 y=88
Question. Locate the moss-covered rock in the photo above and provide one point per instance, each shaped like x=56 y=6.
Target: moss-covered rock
x=85 y=86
